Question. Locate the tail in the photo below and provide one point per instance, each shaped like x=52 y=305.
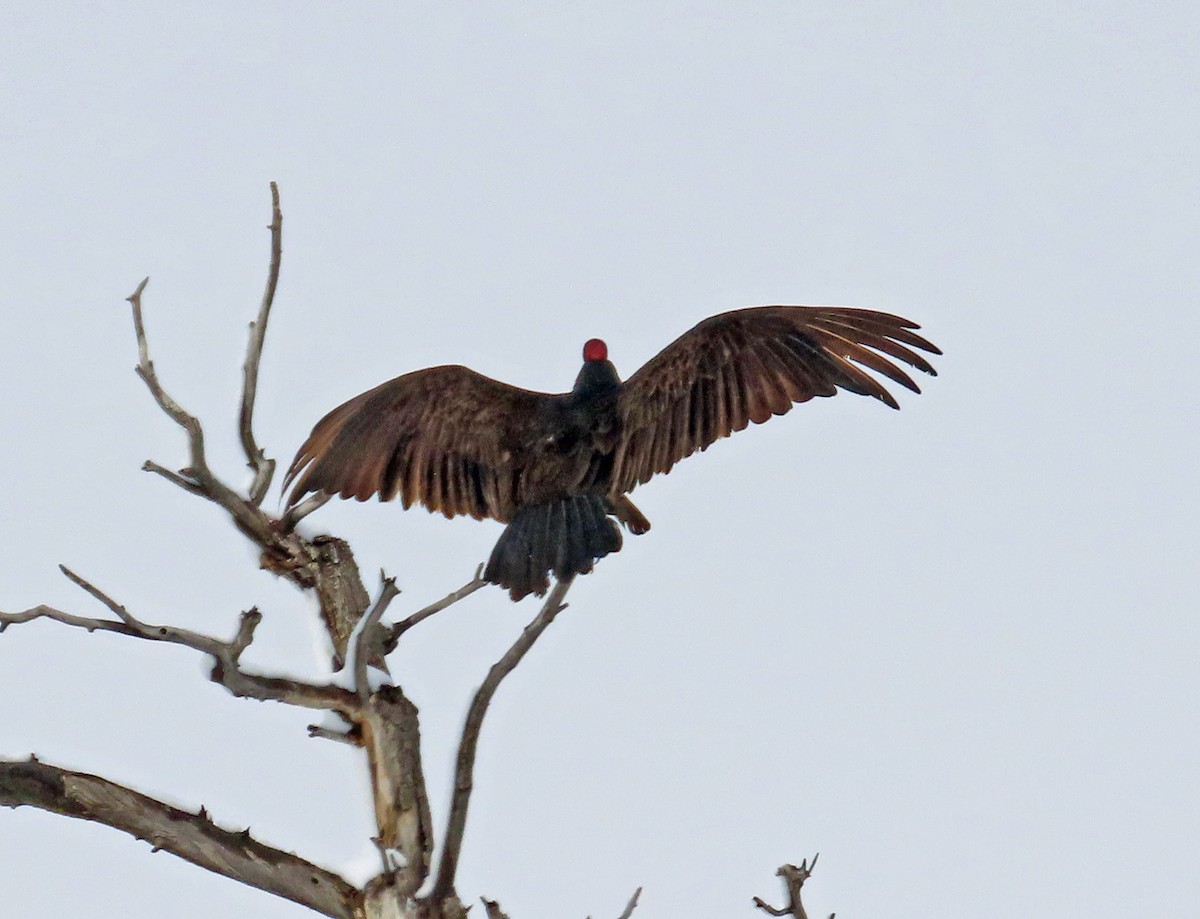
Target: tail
x=566 y=536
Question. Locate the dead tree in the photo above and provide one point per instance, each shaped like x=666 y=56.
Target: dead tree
x=411 y=883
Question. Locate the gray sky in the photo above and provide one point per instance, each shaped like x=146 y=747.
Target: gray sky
x=953 y=648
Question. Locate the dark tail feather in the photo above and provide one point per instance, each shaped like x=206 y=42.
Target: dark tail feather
x=565 y=537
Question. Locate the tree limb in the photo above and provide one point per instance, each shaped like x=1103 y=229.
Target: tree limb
x=264 y=468
x=193 y=837
x=465 y=762
x=793 y=880
x=390 y=731
x=227 y=654
x=324 y=564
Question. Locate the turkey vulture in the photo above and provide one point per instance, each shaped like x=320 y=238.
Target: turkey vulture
x=557 y=468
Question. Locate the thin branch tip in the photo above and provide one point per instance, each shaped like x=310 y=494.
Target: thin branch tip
x=631 y=905
x=137 y=294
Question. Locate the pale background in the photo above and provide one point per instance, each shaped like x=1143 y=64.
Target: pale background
x=953 y=648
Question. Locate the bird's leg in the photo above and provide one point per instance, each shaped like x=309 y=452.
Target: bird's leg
x=633 y=519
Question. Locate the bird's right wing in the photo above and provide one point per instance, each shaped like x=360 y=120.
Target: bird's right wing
x=749 y=364
x=442 y=437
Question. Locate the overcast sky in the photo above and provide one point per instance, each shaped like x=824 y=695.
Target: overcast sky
x=952 y=648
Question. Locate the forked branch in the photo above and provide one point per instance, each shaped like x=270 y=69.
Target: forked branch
x=324 y=564
x=793 y=879
x=226 y=654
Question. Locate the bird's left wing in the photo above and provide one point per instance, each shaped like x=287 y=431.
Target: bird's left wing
x=749 y=364
x=442 y=437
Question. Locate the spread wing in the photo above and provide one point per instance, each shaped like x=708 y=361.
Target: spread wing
x=750 y=364
x=444 y=437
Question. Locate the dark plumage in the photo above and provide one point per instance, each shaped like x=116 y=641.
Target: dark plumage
x=555 y=467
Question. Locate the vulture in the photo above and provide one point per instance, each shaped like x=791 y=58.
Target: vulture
x=558 y=468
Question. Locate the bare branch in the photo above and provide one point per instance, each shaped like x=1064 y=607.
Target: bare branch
x=145 y=369
x=264 y=469
x=362 y=646
x=293 y=515
x=421 y=615
x=104 y=598
x=465 y=763
x=324 y=564
x=175 y=478
x=351 y=736
x=391 y=734
x=193 y=837
x=493 y=909
x=793 y=879
x=227 y=654
x=631 y=905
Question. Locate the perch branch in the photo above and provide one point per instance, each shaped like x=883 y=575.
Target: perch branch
x=264 y=468
x=793 y=879
x=465 y=762
x=193 y=837
x=227 y=654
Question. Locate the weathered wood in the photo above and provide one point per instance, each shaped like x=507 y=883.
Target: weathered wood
x=193 y=837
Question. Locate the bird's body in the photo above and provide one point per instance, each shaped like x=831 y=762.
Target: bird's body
x=556 y=466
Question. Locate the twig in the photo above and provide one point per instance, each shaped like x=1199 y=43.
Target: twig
x=293 y=515
x=421 y=615
x=387 y=592
x=465 y=762
x=264 y=469
x=631 y=905
x=193 y=837
x=227 y=654
x=793 y=879
x=175 y=478
x=324 y=564
x=352 y=736
x=493 y=909
x=145 y=370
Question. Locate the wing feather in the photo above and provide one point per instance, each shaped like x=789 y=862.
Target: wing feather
x=446 y=437
x=748 y=365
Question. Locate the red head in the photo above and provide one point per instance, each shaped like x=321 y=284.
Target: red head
x=595 y=350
